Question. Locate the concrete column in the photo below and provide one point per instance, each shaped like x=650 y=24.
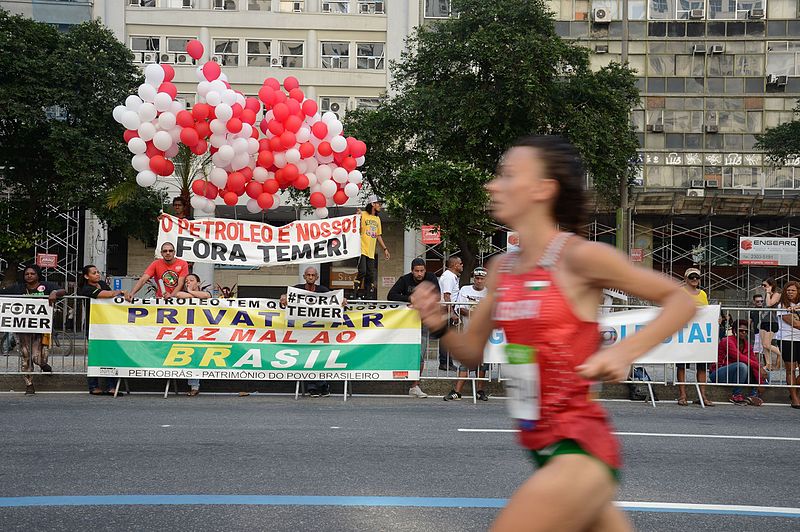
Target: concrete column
x=412 y=247
x=312 y=51
x=95 y=245
x=276 y=6
x=204 y=37
x=313 y=6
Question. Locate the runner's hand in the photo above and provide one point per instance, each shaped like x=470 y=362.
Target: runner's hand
x=426 y=300
x=607 y=365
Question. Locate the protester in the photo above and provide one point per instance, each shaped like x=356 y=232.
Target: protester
x=371 y=232
x=193 y=289
x=180 y=208
x=401 y=291
x=169 y=274
x=448 y=285
x=769 y=326
x=30 y=344
x=546 y=298
x=469 y=296
x=91 y=285
x=738 y=363
x=788 y=335
x=692 y=287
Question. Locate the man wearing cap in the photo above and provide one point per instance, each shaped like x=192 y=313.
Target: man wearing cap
x=692 y=286
x=370 y=235
x=468 y=297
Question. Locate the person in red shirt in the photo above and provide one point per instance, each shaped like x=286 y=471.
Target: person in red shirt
x=168 y=272
x=737 y=363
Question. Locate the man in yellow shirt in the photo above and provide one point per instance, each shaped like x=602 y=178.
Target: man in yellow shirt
x=692 y=286
x=370 y=235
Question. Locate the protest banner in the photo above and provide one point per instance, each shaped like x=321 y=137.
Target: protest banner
x=245 y=243
x=303 y=304
x=695 y=342
x=250 y=339
x=25 y=315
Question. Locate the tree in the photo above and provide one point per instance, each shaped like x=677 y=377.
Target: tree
x=61 y=148
x=782 y=142
x=465 y=89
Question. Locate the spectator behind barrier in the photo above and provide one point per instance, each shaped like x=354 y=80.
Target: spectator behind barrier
x=168 y=272
x=692 y=286
x=737 y=363
x=192 y=289
x=448 y=286
x=788 y=335
x=91 y=285
x=769 y=326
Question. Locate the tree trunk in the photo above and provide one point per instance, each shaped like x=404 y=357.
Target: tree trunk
x=469 y=256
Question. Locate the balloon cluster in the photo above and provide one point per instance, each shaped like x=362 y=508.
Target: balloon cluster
x=292 y=146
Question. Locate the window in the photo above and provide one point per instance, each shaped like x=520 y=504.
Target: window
x=336 y=7
x=674 y=9
x=732 y=9
x=259 y=5
x=782 y=57
x=225 y=5
x=335 y=54
x=288 y=6
x=367 y=103
x=145 y=49
x=176 y=51
x=370 y=55
x=142 y=3
x=226 y=52
x=291 y=54
x=437 y=8
x=177 y=4
x=259 y=53
x=371 y=7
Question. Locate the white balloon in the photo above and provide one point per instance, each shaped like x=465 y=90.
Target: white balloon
x=218 y=127
x=328 y=188
x=276 y=201
x=302 y=168
x=136 y=145
x=166 y=121
x=339 y=144
x=293 y=156
x=360 y=161
x=133 y=102
x=172 y=151
x=321 y=213
x=323 y=172
x=224 y=112
x=218 y=176
x=303 y=135
x=218 y=86
x=355 y=177
x=117 y=113
x=203 y=87
x=329 y=117
x=311 y=164
x=162 y=101
x=213 y=98
x=140 y=162
x=199 y=73
x=226 y=152
x=218 y=140
x=223 y=76
x=175 y=133
x=260 y=174
x=176 y=107
x=210 y=207
x=269 y=115
x=147 y=112
x=228 y=97
x=280 y=159
x=247 y=131
x=218 y=160
x=240 y=160
x=325 y=160
x=162 y=140
x=330 y=202
x=252 y=206
x=147 y=92
x=240 y=99
x=351 y=189
x=239 y=145
x=130 y=120
x=146 y=178
x=198 y=202
x=252 y=145
x=340 y=175
x=335 y=128
x=147 y=131
x=154 y=73
x=312 y=178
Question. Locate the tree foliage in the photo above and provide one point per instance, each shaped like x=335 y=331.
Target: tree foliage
x=465 y=89
x=781 y=142
x=61 y=147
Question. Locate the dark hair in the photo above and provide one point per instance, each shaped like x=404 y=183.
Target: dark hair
x=35 y=268
x=757 y=295
x=771 y=281
x=785 y=297
x=179 y=199
x=563 y=163
x=417 y=262
x=164 y=244
x=370 y=208
x=195 y=276
x=451 y=260
x=739 y=323
x=84 y=273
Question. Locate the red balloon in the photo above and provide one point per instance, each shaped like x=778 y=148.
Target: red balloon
x=275 y=127
x=351 y=142
x=199 y=187
x=130 y=134
x=320 y=129
x=195 y=49
x=280 y=111
x=263 y=125
x=158 y=164
x=301 y=183
x=359 y=149
x=290 y=82
x=253 y=189
x=200 y=148
x=212 y=113
x=294 y=108
x=252 y=104
x=290 y=172
x=281 y=178
x=254 y=134
x=275 y=144
x=203 y=129
x=306 y=150
x=293 y=123
x=168 y=88
x=169 y=72
x=184 y=119
x=247 y=172
x=211 y=70
x=349 y=164
x=265 y=158
x=189 y=136
x=263 y=144
x=211 y=190
x=265 y=201
x=270 y=186
x=272 y=83
x=297 y=95
x=280 y=97
x=236 y=182
x=288 y=139
x=317 y=200
x=169 y=169
x=230 y=198
x=309 y=107
x=267 y=95
x=200 y=111
x=234 y=125
x=324 y=149
x=248 y=116
x=237 y=110
x=340 y=198
x=151 y=150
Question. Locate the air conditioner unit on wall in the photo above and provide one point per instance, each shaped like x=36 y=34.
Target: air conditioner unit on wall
x=712 y=128
x=756 y=13
x=183 y=59
x=326 y=7
x=275 y=62
x=149 y=57
x=297 y=7
x=712 y=183
x=696 y=183
x=698 y=49
x=188 y=4
x=716 y=49
x=601 y=15
x=363 y=8
x=217 y=59
x=697 y=14
x=657 y=128
x=601 y=49
x=695 y=193
x=166 y=58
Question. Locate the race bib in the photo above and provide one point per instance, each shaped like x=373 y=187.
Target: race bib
x=523 y=386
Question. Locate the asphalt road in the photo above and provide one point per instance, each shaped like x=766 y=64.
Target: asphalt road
x=241 y=453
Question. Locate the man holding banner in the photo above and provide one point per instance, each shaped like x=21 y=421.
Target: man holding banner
x=169 y=273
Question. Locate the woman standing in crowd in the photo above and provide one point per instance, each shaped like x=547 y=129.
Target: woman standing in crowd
x=546 y=298
x=30 y=344
x=91 y=285
x=192 y=288
x=768 y=327
x=788 y=335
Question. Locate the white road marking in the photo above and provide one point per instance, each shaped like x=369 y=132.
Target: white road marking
x=668 y=435
x=165 y=426
x=732 y=509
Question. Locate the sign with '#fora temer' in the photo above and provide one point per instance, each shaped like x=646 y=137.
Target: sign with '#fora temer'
x=767 y=251
x=303 y=304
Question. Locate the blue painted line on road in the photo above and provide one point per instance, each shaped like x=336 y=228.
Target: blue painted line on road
x=415 y=502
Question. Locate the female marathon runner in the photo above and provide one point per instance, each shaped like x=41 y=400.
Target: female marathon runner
x=546 y=298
